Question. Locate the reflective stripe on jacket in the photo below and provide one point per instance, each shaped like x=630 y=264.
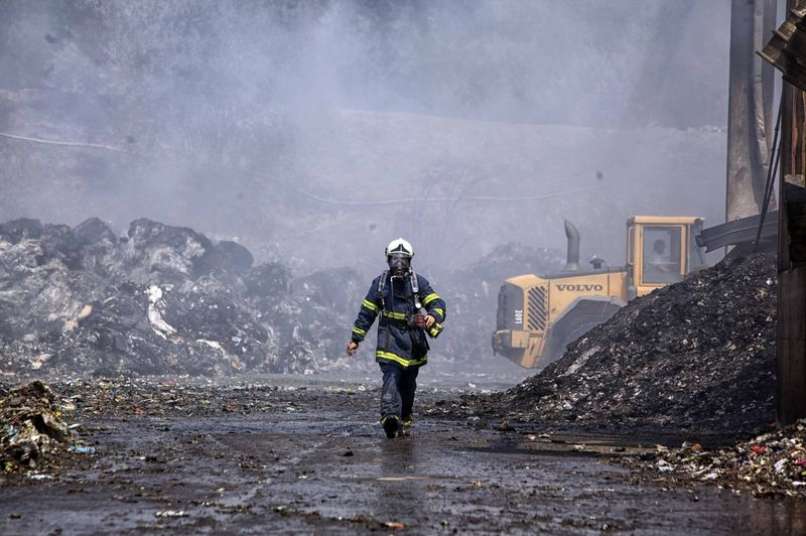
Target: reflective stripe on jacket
x=397 y=342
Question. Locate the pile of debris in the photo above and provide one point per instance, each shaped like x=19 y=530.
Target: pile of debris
x=772 y=464
x=33 y=434
x=696 y=355
x=160 y=300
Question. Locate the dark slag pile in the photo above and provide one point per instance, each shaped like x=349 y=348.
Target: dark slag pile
x=160 y=300
x=697 y=355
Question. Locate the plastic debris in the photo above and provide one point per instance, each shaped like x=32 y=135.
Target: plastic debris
x=34 y=432
x=664 y=466
x=171 y=513
x=40 y=476
x=767 y=465
x=82 y=449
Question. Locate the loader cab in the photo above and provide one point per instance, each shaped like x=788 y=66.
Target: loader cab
x=660 y=251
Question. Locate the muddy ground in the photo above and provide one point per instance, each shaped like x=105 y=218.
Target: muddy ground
x=301 y=455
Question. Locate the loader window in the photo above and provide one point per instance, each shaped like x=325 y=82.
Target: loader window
x=661 y=252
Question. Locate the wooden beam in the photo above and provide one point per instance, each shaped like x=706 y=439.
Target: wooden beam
x=791 y=331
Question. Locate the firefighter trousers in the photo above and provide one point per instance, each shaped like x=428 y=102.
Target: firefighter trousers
x=397 y=394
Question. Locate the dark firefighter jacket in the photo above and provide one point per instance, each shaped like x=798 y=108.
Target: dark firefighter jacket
x=397 y=342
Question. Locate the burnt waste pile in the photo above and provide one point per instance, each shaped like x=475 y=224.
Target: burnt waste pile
x=698 y=355
x=160 y=300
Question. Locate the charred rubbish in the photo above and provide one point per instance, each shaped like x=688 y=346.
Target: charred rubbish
x=159 y=300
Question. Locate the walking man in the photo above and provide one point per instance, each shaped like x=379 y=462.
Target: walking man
x=410 y=311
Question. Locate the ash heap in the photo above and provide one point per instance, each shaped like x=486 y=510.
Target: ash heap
x=160 y=300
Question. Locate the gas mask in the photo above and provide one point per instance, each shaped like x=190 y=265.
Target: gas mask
x=399 y=264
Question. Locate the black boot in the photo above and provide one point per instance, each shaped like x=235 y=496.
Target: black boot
x=391 y=425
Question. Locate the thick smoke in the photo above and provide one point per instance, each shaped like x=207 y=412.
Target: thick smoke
x=319 y=130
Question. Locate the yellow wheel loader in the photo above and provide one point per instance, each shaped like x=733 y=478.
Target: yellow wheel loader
x=538 y=316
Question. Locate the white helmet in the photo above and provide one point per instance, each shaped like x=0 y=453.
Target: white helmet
x=400 y=245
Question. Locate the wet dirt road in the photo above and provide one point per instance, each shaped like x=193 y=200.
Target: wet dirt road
x=308 y=457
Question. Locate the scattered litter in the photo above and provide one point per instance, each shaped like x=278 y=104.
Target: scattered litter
x=171 y=513
x=766 y=465
x=758 y=449
x=33 y=433
x=82 y=449
x=664 y=466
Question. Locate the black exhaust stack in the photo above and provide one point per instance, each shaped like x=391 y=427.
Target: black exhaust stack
x=572 y=258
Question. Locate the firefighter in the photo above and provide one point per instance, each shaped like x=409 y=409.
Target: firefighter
x=409 y=312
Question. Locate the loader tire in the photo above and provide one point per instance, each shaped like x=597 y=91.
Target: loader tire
x=585 y=316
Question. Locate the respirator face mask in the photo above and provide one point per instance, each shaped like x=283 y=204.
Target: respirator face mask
x=399 y=264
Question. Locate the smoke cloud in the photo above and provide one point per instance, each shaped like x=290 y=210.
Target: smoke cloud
x=319 y=130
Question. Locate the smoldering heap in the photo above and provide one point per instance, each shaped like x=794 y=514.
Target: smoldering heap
x=161 y=299
x=696 y=355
